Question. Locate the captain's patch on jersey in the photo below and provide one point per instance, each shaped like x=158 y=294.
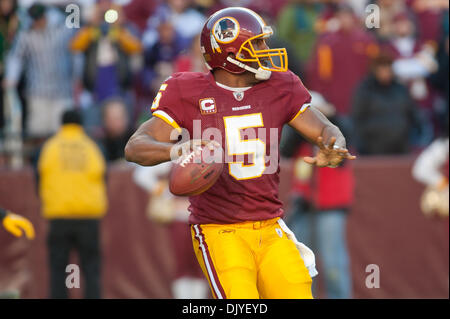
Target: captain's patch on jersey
x=207 y=106
x=226 y=30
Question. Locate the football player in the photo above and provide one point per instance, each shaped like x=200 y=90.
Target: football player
x=16 y=225
x=244 y=248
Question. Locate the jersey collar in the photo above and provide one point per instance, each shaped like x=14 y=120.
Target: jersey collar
x=229 y=88
x=213 y=82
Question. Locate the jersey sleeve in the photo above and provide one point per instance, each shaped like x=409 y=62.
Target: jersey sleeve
x=167 y=104
x=300 y=99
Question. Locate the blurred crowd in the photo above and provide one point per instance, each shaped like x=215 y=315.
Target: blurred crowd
x=382 y=71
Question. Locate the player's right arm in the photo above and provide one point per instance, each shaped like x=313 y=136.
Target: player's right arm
x=154 y=141
x=151 y=143
x=316 y=128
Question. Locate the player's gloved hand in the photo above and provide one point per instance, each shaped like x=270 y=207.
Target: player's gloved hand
x=329 y=155
x=17 y=225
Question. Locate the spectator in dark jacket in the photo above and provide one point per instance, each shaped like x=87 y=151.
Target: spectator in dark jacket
x=384 y=114
x=159 y=57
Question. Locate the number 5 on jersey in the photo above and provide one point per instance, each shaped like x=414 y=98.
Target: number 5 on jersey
x=158 y=96
x=236 y=146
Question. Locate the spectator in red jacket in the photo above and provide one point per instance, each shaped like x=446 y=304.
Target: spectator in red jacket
x=413 y=58
x=321 y=200
x=138 y=11
x=413 y=62
x=429 y=16
x=340 y=60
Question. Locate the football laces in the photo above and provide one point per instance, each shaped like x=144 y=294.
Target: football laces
x=189 y=157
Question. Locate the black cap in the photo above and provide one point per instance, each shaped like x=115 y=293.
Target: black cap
x=36 y=11
x=72 y=117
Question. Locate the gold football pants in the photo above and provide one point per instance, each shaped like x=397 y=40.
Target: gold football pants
x=250 y=260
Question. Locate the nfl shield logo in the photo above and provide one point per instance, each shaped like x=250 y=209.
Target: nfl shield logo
x=238 y=95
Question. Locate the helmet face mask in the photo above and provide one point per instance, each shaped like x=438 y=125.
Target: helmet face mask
x=268 y=59
x=231 y=40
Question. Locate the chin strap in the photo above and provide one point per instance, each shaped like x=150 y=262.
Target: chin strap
x=260 y=74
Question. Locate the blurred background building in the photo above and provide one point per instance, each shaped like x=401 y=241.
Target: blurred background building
x=387 y=86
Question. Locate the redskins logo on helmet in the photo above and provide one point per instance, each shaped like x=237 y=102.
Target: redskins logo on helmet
x=229 y=41
x=226 y=30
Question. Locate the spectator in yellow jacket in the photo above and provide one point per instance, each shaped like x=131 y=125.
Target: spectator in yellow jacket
x=71 y=171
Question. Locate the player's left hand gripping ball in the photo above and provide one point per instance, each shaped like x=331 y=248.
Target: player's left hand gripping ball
x=197 y=170
x=17 y=225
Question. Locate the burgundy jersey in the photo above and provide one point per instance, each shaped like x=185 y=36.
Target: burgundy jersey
x=248 y=125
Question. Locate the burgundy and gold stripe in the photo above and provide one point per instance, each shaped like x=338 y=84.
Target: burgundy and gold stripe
x=213 y=278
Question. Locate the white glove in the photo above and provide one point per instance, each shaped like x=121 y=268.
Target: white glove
x=307 y=254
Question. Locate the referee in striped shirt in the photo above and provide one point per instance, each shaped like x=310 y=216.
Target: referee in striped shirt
x=42 y=52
